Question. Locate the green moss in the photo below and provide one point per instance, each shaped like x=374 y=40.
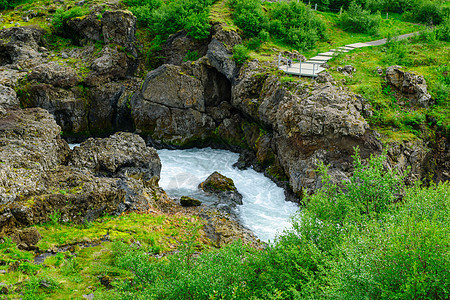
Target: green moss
x=221 y=183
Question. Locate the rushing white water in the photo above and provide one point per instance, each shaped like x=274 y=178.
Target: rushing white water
x=264 y=211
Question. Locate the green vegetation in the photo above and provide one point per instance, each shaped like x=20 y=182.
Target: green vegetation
x=289 y=23
x=62 y=16
x=424 y=54
x=85 y=253
x=5 y=4
x=240 y=54
x=370 y=237
x=356 y=19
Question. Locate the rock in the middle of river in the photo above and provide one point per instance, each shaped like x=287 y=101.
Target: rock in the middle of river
x=224 y=188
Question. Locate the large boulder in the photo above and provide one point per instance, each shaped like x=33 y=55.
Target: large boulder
x=8 y=97
x=68 y=106
x=111 y=64
x=114 y=27
x=222 y=187
x=171 y=107
x=307 y=123
x=221 y=59
x=179 y=45
x=19 y=45
x=119 y=27
x=409 y=85
x=122 y=154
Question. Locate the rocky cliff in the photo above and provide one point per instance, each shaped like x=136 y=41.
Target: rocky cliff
x=93 y=89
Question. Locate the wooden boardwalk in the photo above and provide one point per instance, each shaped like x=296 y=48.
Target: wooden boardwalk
x=313 y=66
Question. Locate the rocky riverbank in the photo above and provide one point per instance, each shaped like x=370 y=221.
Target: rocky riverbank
x=283 y=128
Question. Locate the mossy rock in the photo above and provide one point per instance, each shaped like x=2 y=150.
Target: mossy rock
x=216 y=182
x=188 y=201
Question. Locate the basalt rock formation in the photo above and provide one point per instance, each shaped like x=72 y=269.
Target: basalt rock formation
x=225 y=190
x=41 y=176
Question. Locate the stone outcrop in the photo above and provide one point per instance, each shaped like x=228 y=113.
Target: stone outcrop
x=181 y=104
x=8 y=97
x=39 y=176
x=225 y=190
x=20 y=45
x=221 y=58
x=409 y=85
x=122 y=154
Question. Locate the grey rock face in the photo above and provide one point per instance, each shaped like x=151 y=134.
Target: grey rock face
x=220 y=58
x=410 y=85
x=171 y=107
x=121 y=154
x=119 y=27
x=8 y=97
x=168 y=85
x=20 y=45
x=36 y=179
x=224 y=188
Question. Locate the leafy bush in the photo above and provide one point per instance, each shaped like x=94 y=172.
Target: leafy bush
x=62 y=16
x=5 y=4
x=248 y=16
x=213 y=275
x=356 y=19
x=191 y=56
x=401 y=256
x=294 y=23
x=167 y=17
x=240 y=54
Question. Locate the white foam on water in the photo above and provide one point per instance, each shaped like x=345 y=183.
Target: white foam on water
x=264 y=211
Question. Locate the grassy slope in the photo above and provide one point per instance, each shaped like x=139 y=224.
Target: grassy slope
x=76 y=270
x=77 y=275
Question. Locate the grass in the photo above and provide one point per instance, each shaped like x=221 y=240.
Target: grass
x=76 y=269
x=391 y=113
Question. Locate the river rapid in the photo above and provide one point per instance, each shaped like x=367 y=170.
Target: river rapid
x=264 y=211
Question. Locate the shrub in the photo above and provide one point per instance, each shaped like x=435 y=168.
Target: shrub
x=404 y=255
x=61 y=16
x=240 y=54
x=443 y=30
x=191 y=56
x=427 y=12
x=218 y=274
x=356 y=19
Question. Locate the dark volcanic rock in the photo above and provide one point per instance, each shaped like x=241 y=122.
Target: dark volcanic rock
x=55 y=74
x=8 y=97
x=19 y=45
x=410 y=85
x=122 y=154
x=27 y=238
x=189 y=201
x=171 y=107
x=223 y=187
x=221 y=59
